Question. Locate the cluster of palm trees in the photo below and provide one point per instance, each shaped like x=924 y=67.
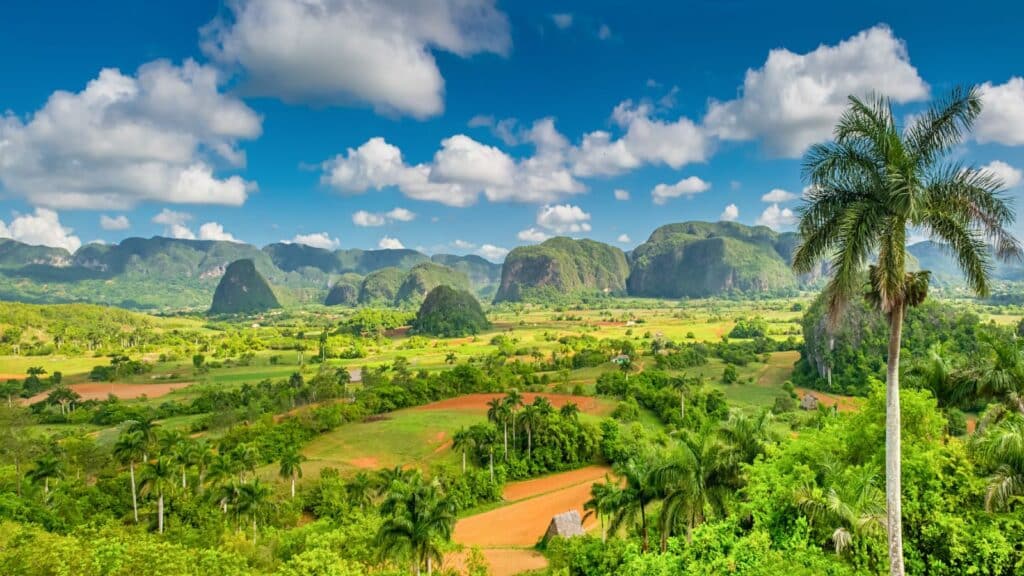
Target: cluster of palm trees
x=689 y=484
x=161 y=464
x=512 y=414
x=418 y=518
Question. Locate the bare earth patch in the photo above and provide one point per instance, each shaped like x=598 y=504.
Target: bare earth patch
x=478 y=402
x=503 y=561
x=844 y=403
x=100 y=390
x=367 y=463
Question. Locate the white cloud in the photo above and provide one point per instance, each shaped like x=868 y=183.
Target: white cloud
x=731 y=213
x=462 y=245
x=562 y=21
x=41 y=228
x=604 y=32
x=119 y=222
x=316 y=240
x=461 y=170
x=776 y=218
x=687 y=187
x=623 y=239
x=389 y=243
x=215 y=231
x=492 y=252
x=794 y=100
x=778 y=196
x=533 y=235
x=506 y=129
x=174 y=224
x=351 y=51
x=1002 y=113
x=401 y=215
x=621 y=195
x=1010 y=176
x=125 y=139
x=646 y=141
x=366 y=219
x=563 y=219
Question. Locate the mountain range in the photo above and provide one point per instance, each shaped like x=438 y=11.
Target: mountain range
x=684 y=260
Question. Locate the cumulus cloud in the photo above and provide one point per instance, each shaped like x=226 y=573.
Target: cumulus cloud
x=731 y=213
x=340 y=52
x=562 y=21
x=492 y=252
x=1002 y=116
x=125 y=139
x=41 y=228
x=647 y=140
x=686 y=187
x=175 y=224
x=507 y=129
x=389 y=243
x=460 y=171
x=462 y=245
x=621 y=195
x=778 y=196
x=215 y=231
x=119 y=222
x=777 y=218
x=623 y=239
x=401 y=215
x=1010 y=176
x=533 y=235
x=370 y=219
x=316 y=240
x=794 y=100
x=563 y=219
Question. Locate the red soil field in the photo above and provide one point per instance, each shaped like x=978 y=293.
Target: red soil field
x=845 y=403
x=523 y=522
x=100 y=390
x=478 y=402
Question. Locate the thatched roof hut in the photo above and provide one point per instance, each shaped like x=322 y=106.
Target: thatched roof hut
x=567 y=525
x=809 y=402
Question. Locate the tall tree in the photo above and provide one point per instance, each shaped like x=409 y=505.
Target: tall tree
x=1001 y=449
x=603 y=501
x=417 y=516
x=640 y=491
x=499 y=413
x=867 y=188
x=158 y=477
x=47 y=467
x=129 y=449
x=251 y=498
x=291 y=466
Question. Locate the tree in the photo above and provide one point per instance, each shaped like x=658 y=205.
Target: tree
x=1001 y=449
x=641 y=489
x=1001 y=374
x=463 y=440
x=854 y=506
x=17 y=445
x=129 y=449
x=532 y=418
x=499 y=413
x=250 y=499
x=934 y=373
x=47 y=467
x=513 y=401
x=681 y=385
x=866 y=189
x=291 y=466
x=417 y=515
x=158 y=477
x=65 y=397
x=603 y=501
x=450 y=358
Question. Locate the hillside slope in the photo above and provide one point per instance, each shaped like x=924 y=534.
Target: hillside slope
x=561 y=266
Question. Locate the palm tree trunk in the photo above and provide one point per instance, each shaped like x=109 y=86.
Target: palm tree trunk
x=463 y=460
x=529 y=442
x=184 y=482
x=643 y=526
x=430 y=566
x=506 y=440
x=490 y=464
x=135 y=501
x=893 y=454
x=293 y=485
x=682 y=405
x=253 y=527
x=160 y=514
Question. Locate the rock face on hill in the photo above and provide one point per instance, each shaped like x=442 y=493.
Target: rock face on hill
x=483 y=274
x=242 y=290
x=422 y=278
x=700 y=259
x=562 y=266
x=345 y=291
x=450 y=312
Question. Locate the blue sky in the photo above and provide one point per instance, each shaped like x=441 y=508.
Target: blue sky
x=459 y=126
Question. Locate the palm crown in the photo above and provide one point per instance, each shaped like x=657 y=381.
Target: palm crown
x=876 y=181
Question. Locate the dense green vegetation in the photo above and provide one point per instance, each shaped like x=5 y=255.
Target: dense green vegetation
x=242 y=290
x=450 y=312
x=560 y=268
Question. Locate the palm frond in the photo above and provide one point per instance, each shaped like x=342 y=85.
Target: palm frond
x=942 y=127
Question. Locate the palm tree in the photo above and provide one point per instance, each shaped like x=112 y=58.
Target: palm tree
x=569 y=410
x=450 y=358
x=1001 y=376
x=360 y=490
x=147 y=428
x=47 y=467
x=682 y=386
x=532 y=418
x=747 y=436
x=463 y=440
x=1001 y=448
x=158 y=477
x=866 y=189
x=935 y=374
x=129 y=449
x=221 y=471
x=250 y=499
x=640 y=491
x=514 y=401
x=185 y=453
x=417 y=515
x=291 y=467
x=855 y=507
x=603 y=501
x=499 y=413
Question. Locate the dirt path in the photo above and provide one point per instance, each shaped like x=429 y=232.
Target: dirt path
x=506 y=535
x=478 y=402
x=100 y=390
